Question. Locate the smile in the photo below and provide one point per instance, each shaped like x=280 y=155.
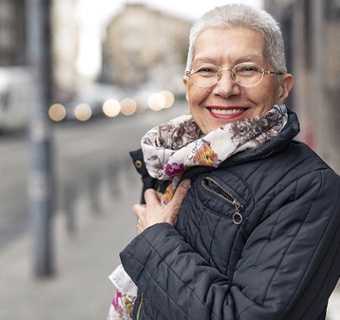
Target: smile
x=226 y=111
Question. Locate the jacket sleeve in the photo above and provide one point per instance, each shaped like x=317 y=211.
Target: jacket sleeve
x=147 y=181
x=288 y=267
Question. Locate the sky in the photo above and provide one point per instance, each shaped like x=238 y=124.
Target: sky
x=93 y=16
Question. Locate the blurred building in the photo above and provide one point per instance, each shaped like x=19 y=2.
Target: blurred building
x=311 y=30
x=144 y=45
x=65 y=40
x=65 y=44
x=12 y=32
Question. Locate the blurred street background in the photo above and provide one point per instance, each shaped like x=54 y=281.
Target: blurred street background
x=81 y=81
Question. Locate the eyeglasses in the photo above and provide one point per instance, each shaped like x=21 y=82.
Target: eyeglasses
x=245 y=74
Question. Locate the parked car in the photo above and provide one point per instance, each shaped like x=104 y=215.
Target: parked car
x=15 y=98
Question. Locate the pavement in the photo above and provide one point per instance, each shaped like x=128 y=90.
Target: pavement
x=80 y=288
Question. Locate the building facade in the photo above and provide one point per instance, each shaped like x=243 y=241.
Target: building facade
x=12 y=33
x=65 y=39
x=311 y=30
x=144 y=45
x=65 y=45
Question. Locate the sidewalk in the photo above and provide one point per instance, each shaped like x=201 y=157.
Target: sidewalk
x=80 y=289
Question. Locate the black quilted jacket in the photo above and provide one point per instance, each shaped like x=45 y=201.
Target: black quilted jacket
x=256 y=239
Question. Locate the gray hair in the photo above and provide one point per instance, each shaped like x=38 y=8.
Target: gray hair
x=241 y=15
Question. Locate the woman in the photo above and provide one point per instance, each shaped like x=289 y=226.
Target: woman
x=256 y=235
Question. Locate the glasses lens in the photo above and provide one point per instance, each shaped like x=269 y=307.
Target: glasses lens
x=247 y=74
x=204 y=75
x=244 y=74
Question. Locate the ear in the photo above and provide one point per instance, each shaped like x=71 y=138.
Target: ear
x=186 y=84
x=286 y=84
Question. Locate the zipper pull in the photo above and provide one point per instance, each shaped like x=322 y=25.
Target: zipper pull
x=237 y=216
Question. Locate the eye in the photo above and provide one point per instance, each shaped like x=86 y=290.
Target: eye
x=247 y=69
x=205 y=70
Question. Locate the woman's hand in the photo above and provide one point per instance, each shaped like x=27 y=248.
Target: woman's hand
x=153 y=212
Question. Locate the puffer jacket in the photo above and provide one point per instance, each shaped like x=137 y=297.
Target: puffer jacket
x=256 y=239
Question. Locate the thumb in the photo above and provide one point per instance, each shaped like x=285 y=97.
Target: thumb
x=183 y=188
x=180 y=194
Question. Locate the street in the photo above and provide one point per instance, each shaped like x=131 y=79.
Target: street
x=13 y=193
x=86 y=157
x=95 y=188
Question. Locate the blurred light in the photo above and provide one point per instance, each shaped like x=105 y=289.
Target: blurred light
x=111 y=108
x=156 y=101
x=169 y=98
x=83 y=112
x=57 y=112
x=128 y=106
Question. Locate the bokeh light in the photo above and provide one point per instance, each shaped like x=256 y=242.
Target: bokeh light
x=156 y=101
x=128 y=106
x=57 y=112
x=83 y=112
x=169 y=98
x=111 y=108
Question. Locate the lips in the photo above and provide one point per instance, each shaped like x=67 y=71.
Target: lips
x=227 y=113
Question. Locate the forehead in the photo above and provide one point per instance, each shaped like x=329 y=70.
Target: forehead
x=220 y=43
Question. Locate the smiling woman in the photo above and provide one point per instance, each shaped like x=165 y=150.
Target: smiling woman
x=233 y=222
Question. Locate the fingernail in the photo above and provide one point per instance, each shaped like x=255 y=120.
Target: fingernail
x=186 y=183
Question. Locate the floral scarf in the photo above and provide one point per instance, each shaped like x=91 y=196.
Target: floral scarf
x=173 y=147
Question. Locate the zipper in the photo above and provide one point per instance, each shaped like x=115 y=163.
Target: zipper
x=237 y=216
x=158 y=185
x=268 y=154
x=140 y=306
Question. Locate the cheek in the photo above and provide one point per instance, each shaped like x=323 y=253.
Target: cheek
x=196 y=98
x=196 y=95
x=266 y=98
x=192 y=98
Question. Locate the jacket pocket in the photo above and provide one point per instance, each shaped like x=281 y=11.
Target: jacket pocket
x=232 y=199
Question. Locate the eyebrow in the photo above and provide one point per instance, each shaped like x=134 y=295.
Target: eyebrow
x=246 y=58
x=251 y=57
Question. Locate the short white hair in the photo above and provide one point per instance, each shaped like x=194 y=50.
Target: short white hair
x=240 y=15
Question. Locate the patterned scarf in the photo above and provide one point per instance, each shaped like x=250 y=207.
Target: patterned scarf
x=173 y=147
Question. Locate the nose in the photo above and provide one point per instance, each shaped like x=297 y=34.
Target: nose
x=226 y=85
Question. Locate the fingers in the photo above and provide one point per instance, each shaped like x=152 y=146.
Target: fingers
x=152 y=197
x=179 y=195
x=182 y=189
x=154 y=212
x=137 y=209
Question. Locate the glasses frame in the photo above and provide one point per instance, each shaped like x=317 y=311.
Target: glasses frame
x=264 y=72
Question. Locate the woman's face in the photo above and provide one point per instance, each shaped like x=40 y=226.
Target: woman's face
x=226 y=101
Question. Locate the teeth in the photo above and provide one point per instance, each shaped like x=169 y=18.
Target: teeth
x=226 y=111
